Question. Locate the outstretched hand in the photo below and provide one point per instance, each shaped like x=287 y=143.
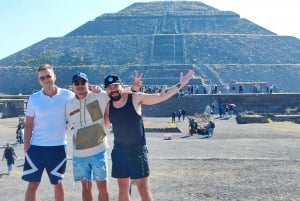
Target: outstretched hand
x=186 y=78
x=137 y=84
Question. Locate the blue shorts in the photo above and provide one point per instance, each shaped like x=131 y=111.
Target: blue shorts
x=91 y=167
x=51 y=158
x=131 y=163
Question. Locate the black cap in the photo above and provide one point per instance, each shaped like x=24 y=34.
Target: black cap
x=111 y=79
x=79 y=75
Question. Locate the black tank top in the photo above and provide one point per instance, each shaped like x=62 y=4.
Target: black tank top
x=127 y=125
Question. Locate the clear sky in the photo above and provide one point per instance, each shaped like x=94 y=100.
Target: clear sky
x=26 y=22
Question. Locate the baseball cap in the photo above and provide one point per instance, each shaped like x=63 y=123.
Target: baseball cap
x=111 y=79
x=79 y=75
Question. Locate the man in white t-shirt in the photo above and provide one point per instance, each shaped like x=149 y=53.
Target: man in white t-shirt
x=45 y=135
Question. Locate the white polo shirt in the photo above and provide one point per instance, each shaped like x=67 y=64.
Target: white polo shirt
x=49 y=127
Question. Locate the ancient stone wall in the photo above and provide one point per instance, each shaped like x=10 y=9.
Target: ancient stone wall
x=282 y=103
x=12 y=107
x=257 y=103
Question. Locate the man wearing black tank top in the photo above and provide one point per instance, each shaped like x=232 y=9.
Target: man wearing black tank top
x=129 y=154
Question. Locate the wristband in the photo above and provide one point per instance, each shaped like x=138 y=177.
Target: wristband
x=133 y=90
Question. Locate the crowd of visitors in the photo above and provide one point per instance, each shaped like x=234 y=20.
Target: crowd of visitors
x=250 y=87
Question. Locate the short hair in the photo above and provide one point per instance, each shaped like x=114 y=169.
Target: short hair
x=44 y=67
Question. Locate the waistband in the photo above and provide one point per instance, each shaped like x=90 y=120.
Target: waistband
x=129 y=149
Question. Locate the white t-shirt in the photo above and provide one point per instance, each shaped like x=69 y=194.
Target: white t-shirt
x=49 y=126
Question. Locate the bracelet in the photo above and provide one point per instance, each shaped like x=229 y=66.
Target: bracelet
x=178 y=85
x=133 y=90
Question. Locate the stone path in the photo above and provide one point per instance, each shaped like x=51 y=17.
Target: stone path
x=240 y=162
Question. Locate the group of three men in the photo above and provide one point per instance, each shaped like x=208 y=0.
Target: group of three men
x=52 y=110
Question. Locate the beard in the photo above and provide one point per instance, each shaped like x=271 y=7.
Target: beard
x=115 y=98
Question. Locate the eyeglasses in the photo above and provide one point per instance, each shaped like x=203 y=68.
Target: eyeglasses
x=79 y=82
x=42 y=78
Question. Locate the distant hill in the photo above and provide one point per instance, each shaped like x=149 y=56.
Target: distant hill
x=161 y=39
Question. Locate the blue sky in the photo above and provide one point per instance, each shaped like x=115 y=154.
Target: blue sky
x=26 y=22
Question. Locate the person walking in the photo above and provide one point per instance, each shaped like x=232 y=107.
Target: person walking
x=84 y=114
x=45 y=135
x=9 y=155
x=129 y=154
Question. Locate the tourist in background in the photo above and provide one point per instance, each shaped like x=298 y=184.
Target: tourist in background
x=173 y=116
x=210 y=128
x=20 y=133
x=183 y=113
x=9 y=155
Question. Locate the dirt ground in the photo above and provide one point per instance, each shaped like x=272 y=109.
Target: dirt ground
x=240 y=162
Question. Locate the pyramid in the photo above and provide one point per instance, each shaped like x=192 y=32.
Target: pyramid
x=162 y=39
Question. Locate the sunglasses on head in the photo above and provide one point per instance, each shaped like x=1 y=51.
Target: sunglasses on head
x=79 y=82
x=42 y=78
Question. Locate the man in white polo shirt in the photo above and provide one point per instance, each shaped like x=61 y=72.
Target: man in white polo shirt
x=45 y=135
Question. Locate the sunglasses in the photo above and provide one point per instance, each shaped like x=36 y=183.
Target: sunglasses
x=79 y=82
x=42 y=78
